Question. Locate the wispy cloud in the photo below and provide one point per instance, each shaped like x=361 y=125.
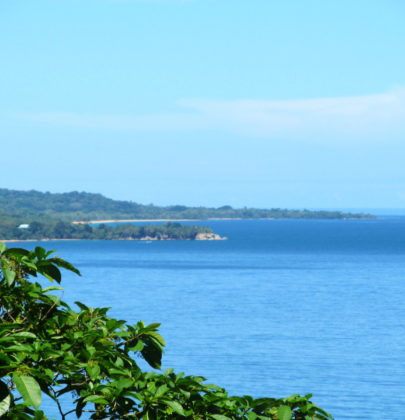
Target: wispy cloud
x=368 y=117
x=357 y=116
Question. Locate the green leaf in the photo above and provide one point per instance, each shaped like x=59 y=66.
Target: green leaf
x=5 y=398
x=152 y=355
x=39 y=415
x=93 y=370
x=19 y=347
x=161 y=390
x=153 y=326
x=2 y=247
x=284 y=413
x=40 y=252
x=123 y=383
x=214 y=387
x=29 y=389
x=175 y=406
x=82 y=306
x=157 y=337
x=12 y=252
x=25 y=334
x=9 y=275
x=64 y=264
x=29 y=263
x=220 y=417
x=96 y=399
x=22 y=334
x=138 y=347
x=55 y=300
x=51 y=272
x=51 y=288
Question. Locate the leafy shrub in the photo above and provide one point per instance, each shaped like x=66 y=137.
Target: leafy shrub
x=49 y=348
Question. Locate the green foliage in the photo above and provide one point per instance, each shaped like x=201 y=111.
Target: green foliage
x=49 y=216
x=49 y=348
x=126 y=231
x=35 y=205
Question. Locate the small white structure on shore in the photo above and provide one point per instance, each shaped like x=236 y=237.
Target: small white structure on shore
x=24 y=226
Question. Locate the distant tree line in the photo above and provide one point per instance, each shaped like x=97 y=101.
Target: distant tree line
x=23 y=205
x=66 y=230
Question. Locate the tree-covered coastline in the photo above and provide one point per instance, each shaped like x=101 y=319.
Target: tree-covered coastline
x=34 y=215
x=88 y=206
x=127 y=231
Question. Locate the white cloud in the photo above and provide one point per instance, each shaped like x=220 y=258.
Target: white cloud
x=349 y=117
x=379 y=116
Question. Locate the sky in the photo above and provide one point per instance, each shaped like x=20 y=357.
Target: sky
x=262 y=103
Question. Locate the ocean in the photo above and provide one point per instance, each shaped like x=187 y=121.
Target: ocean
x=281 y=307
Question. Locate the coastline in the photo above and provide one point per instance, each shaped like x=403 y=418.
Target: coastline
x=41 y=240
x=199 y=237
x=86 y=222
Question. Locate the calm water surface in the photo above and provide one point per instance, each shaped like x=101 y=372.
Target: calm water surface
x=282 y=307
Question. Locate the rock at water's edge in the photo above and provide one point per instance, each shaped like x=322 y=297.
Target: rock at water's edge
x=209 y=237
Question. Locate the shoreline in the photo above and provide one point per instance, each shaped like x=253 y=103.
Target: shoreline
x=42 y=240
x=86 y=222
x=210 y=219
x=215 y=237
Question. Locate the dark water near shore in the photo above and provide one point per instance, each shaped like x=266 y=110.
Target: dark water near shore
x=282 y=307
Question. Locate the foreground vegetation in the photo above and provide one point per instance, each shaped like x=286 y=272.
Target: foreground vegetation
x=125 y=231
x=50 y=348
x=26 y=206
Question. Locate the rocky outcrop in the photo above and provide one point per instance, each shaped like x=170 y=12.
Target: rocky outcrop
x=209 y=237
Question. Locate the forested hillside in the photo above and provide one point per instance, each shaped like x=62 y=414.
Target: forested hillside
x=126 y=231
x=26 y=206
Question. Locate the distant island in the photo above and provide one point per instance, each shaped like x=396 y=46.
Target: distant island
x=26 y=215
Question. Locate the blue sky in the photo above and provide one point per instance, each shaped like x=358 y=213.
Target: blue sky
x=206 y=102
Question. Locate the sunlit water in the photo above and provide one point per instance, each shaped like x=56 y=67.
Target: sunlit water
x=281 y=307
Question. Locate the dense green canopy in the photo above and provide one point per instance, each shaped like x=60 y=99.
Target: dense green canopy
x=65 y=230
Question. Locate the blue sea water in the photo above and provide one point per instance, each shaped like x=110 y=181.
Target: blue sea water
x=281 y=307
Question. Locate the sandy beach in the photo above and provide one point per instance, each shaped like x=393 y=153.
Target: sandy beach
x=38 y=240
x=83 y=222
